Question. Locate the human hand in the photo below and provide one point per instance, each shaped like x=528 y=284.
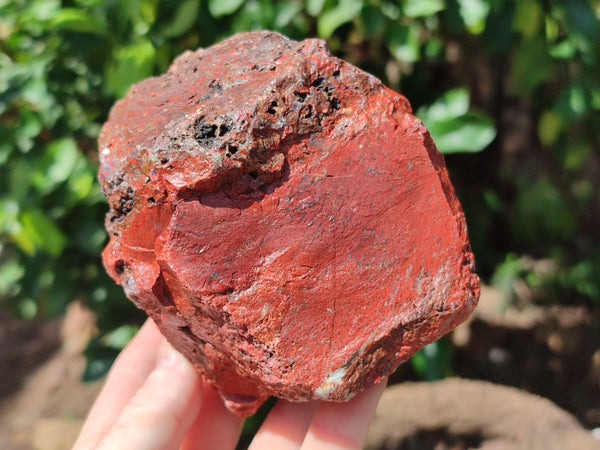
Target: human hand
x=154 y=399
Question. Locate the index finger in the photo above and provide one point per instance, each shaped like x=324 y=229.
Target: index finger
x=127 y=375
x=343 y=426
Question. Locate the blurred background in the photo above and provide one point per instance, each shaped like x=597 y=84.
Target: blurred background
x=510 y=91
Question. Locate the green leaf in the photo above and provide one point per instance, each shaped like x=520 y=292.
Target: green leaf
x=577 y=154
x=97 y=368
x=56 y=164
x=138 y=15
x=186 y=15
x=531 y=66
x=20 y=179
x=147 y=11
x=25 y=241
x=253 y=16
x=132 y=63
x=314 y=7
x=9 y=211
x=492 y=200
x=595 y=97
x=372 y=20
x=434 y=48
x=11 y=273
x=37 y=11
x=434 y=361
x=403 y=41
x=391 y=10
x=42 y=232
x=505 y=275
x=550 y=126
x=5 y=152
x=574 y=101
x=563 y=50
x=453 y=127
x=422 y=8
x=10 y=224
x=81 y=184
x=29 y=127
x=584 y=25
x=578 y=101
x=72 y=19
x=218 y=8
x=99 y=359
x=584 y=277
x=119 y=337
x=454 y=103
x=474 y=13
x=27 y=308
x=344 y=12
x=470 y=133
x=552 y=28
x=529 y=17
x=36 y=92
x=286 y=13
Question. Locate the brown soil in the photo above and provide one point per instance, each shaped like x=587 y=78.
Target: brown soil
x=552 y=351
x=47 y=401
x=456 y=414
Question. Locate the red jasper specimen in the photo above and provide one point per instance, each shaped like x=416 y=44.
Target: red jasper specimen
x=284 y=219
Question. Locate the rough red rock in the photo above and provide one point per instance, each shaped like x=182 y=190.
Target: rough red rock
x=284 y=219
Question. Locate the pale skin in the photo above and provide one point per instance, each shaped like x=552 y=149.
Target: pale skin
x=154 y=399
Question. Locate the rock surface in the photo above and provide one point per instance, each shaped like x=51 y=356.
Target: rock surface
x=284 y=219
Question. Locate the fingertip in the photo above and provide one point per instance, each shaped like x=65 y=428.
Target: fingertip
x=215 y=426
x=285 y=426
x=343 y=426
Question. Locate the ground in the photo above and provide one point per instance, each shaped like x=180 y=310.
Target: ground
x=44 y=400
x=553 y=351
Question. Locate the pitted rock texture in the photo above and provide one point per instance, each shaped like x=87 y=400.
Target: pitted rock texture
x=284 y=219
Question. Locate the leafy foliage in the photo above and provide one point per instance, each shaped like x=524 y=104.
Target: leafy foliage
x=434 y=361
x=454 y=128
x=513 y=87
